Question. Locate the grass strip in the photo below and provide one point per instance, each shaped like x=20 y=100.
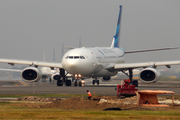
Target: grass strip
x=11 y=111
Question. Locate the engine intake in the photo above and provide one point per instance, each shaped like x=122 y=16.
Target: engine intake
x=149 y=75
x=31 y=74
x=55 y=76
x=106 y=79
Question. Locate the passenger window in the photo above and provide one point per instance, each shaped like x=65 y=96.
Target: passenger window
x=76 y=57
x=70 y=57
x=82 y=57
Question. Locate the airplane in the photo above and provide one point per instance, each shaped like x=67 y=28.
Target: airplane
x=93 y=63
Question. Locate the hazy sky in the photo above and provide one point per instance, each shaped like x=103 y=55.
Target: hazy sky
x=30 y=27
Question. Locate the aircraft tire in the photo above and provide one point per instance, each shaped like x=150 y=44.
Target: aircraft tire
x=75 y=83
x=93 y=82
x=80 y=84
x=135 y=82
x=97 y=82
x=68 y=82
x=59 y=83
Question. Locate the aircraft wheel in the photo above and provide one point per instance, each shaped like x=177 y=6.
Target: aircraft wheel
x=97 y=82
x=93 y=82
x=68 y=82
x=135 y=82
x=75 y=83
x=80 y=83
x=59 y=82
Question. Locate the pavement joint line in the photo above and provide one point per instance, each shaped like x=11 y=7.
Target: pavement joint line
x=22 y=83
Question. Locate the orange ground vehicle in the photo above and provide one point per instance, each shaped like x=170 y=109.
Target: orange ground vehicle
x=126 y=90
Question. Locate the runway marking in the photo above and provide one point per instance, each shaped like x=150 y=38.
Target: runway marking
x=22 y=83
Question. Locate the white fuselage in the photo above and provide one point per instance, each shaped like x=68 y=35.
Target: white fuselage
x=92 y=62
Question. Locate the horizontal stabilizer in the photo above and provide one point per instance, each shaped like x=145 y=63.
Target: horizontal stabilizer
x=151 y=50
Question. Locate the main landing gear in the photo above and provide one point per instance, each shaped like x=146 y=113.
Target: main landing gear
x=95 y=81
x=63 y=79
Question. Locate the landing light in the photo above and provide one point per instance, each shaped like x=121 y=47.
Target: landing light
x=82 y=81
x=77 y=76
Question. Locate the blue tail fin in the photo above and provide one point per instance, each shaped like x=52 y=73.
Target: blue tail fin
x=117 y=35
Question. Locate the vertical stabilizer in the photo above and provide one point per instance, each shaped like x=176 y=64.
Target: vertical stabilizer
x=117 y=35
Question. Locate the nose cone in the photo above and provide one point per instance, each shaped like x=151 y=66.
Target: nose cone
x=75 y=62
x=83 y=67
x=72 y=66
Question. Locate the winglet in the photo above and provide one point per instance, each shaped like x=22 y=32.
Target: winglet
x=116 y=38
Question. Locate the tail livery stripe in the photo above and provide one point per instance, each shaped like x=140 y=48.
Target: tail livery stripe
x=116 y=41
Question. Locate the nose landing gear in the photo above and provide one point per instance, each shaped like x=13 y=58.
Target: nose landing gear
x=76 y=83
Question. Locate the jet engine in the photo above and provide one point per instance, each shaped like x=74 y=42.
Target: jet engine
x=55 y=76
x=149 y=75
x=106 y=79
x=31 y=74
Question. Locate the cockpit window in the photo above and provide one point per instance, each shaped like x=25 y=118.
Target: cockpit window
x=70 y=57
x=67 y=57
x=82 y=57
x=76 y=57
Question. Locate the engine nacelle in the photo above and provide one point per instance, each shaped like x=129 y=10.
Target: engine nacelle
x=106 y=79
x=55 y=76
x=31 y=74
x=149 y=75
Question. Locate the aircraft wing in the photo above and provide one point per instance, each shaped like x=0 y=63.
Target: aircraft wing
x=12 y=70
x=126 y=66
x=35 y=63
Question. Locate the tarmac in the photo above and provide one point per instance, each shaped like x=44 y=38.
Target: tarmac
x=105 y=88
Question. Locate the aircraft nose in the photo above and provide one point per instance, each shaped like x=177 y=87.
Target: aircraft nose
x=82 y=67
x=72 y=66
